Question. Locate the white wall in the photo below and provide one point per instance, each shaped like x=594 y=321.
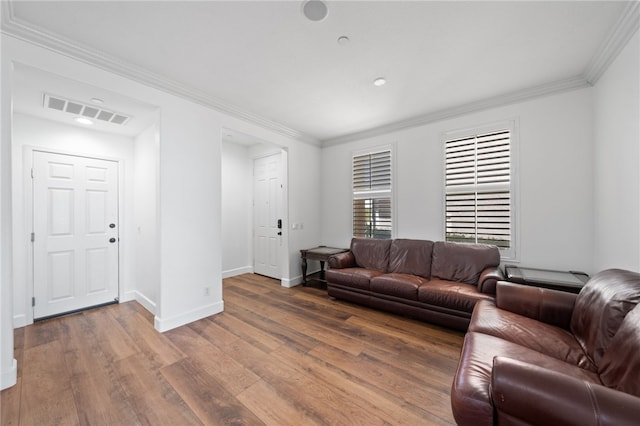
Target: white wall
x=305 y=198
x=190 y=249
x=237 y=208
x=554 y=200
x=145 y=203
x=8 y=364
x=30 y=132
x=617 y=162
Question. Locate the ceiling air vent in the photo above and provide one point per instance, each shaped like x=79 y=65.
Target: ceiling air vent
x=78 y=108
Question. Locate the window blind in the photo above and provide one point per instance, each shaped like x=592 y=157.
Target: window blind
x=372 y=171
x=478 y=189
x=372 y=216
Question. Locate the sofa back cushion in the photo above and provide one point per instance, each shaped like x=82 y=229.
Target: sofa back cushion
x=411 y=257
x=600 y=308
x=620 y=365
x=371 y=253
x=462 y=262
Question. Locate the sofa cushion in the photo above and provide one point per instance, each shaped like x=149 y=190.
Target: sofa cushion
x=352 y=277
x=620 y=365
x=470 y=398
x=371 y=253
x=601 y=307
x=404 y=286
x=530 y=333
x=448 y=294
x=462 y=262
x=411 y=257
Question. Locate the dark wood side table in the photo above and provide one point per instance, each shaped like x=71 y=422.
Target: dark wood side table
x=321 y=253
x=556 y=280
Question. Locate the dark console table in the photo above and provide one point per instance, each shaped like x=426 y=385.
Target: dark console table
x=570 y=281
x=321 y=253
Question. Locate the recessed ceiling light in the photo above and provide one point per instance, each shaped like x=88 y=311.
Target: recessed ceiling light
x=97 y=100
x=315 y=10
x=83 y=120
x=343 y=40
x=380 y=81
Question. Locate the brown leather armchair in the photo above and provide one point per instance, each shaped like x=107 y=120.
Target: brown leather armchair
x=523 y=393
x=543 y=357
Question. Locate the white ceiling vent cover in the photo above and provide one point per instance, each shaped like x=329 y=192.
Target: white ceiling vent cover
x=78 y=108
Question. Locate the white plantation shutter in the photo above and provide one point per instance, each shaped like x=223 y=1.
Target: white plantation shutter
x=372 y=194
x=478 y=205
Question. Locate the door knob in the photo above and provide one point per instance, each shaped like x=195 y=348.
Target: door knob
x=112 y=225
x=112 y=240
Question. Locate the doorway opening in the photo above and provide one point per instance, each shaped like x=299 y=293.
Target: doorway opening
x=76 y=211
x=254 y=207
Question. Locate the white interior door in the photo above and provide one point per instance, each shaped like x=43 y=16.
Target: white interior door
x=75 y=226
x=267 y=205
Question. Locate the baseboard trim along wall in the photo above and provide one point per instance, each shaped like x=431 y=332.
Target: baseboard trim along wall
x=147 y=303
x=237 y=271
x=166 y=324
x=19 y=321
x=10 y=377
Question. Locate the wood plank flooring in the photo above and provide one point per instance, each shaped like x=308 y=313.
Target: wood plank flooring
x=276 y=356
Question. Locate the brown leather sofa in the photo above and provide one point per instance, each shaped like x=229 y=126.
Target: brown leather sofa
x=437 y=282
x=536 y=356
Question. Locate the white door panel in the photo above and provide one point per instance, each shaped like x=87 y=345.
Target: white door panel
x=267 y=212
x=75 y=225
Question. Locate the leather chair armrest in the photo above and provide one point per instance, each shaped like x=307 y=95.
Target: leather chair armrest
x=549 y=306
x=489 y=278
x=526 y=394
x=342 y=260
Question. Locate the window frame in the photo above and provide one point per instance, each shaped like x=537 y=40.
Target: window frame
x=512 y=125
x=375 y=193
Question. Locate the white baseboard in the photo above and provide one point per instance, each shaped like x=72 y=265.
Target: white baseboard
x=10 y=377
x=20 y=321
x=147 y=303
x=237 y=271
x=291 y=282
x=297 y=280
x=128 y=296
x=166 y=324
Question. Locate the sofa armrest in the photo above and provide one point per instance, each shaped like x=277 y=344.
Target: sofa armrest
x=524 y=393
x=549 y=306
x=342 y=260
x=489 y=278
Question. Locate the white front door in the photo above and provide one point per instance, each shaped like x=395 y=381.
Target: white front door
x=75 y=233
x=267 y=195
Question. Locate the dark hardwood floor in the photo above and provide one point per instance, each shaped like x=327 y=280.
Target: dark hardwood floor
x=275 y=356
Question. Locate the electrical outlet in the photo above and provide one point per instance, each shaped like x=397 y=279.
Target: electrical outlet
x=206 y=291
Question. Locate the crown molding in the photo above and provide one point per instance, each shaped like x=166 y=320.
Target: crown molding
x=468 y=108
x=620 y=34
x=626 y=26
x=16 y=28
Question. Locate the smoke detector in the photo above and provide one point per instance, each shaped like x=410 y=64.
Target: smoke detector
x=80 y=109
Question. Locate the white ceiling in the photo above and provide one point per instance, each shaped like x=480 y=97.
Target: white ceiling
x=265 y=59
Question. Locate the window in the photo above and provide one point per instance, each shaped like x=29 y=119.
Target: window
x=478 y=188
x=372 y=216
